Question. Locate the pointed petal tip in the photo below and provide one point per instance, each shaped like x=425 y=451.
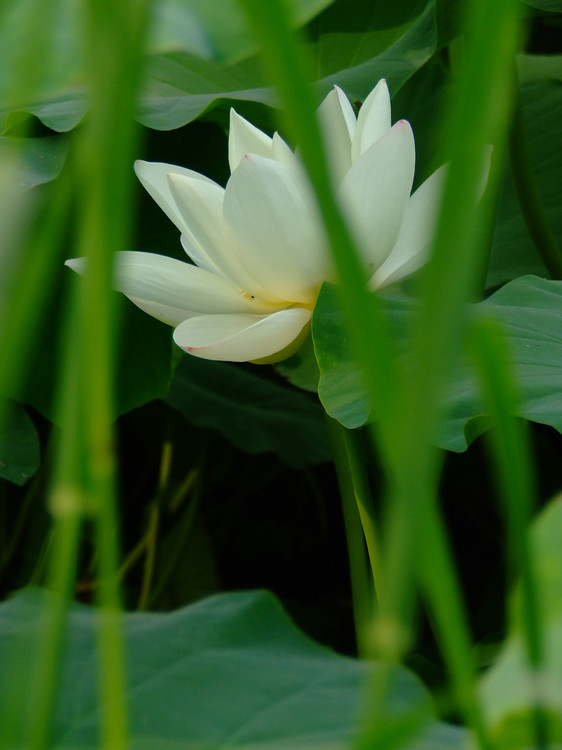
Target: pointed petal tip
x=245 y=138
x=76 y=264
x=175 y=179
x=342 y=97
x=178 y=182
x=141 y=166
x=403 y=131
x=373 y=120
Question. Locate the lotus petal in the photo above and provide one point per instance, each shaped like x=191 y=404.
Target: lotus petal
x=337 y=121
x=373 y=120
x=172 y=290
x=376 y=190
x=241 y=338
x=244 y=138
x=154 y=177
x=201 y=205
x=274 y=225
x=282 y=152
x=417 y=230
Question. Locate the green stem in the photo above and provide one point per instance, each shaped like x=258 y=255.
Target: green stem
x=150 y=559
x=107 y=148
x=438 y=581
x=151 y=538
x=360 y=579
x=184 y=527
x=111 y=650
x=528 y=194
x=63 y=572
x=515 y=478
x=364 y=502
x=66 y=504
x=407 y=403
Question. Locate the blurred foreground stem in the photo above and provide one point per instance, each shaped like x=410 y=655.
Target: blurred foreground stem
x=406 y=404
x=515 y=477
x=104 y=156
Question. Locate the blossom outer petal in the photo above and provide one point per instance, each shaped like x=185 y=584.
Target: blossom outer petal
x=373 y=120
x=171 y=290
x=414 y=241
x=154 y=178
x=168 y=314
x=160 y=278
x=244 y=138
x=164 y=310
x=375 y=193
x=337 y=122
x=274 y=224
x=202 y=207
x=241 y=338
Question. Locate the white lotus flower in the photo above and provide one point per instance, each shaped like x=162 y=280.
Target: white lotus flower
x=258 y=246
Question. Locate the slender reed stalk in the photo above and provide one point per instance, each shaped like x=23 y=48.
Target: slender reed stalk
x=406 y=411
x=66 y=504
x=480 y=113
x=511 y=454
x=104 y=162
